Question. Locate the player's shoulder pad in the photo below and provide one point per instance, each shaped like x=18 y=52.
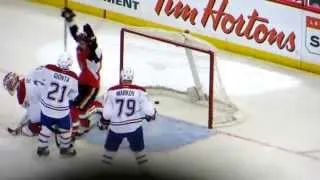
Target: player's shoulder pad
x=114 y=87
x=127 y=86
x=55 y=68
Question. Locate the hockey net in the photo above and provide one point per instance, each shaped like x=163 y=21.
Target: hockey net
x=181 y=67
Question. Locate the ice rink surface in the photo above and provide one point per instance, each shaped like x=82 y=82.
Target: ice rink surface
x=278 y=140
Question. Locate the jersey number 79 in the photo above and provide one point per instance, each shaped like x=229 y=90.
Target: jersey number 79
x=126 y=106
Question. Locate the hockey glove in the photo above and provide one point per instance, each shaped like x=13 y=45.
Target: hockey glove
x=68 y=14
x=103 y=124
x=88 y=30
x=151 y=118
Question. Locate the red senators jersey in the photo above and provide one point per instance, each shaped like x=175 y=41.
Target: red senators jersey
x=90 y=67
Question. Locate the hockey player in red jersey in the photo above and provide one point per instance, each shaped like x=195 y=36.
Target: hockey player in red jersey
x=89 y=59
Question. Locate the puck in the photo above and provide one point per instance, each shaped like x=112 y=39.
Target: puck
x=156 y=102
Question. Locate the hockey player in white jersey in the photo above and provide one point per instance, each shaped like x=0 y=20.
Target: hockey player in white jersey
x=126 y=105
x=26 y=88
x=59 y=90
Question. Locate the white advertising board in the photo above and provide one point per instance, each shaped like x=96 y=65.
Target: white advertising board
x=311 y=37
x=258 y=24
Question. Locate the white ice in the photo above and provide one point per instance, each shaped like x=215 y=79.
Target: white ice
x=279 y=139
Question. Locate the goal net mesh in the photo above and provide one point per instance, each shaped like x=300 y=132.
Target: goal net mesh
x=180 y=66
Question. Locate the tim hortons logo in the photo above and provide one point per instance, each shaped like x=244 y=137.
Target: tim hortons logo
x=254 y=27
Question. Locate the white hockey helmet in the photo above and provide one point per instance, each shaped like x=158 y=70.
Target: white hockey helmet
x=10 y=82
x=65 y=61
x=127 y=74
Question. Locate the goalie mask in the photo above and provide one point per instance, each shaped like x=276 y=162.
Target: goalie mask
x=65 y=61
x=10 y=82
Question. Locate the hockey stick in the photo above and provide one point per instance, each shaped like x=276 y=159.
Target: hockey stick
x=86 y=131
x=16 y=131
x=65 y=37
x=55 y=131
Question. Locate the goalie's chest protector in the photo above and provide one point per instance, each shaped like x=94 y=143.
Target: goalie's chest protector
x=88 y=75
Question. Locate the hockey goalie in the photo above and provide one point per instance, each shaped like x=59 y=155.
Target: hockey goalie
x=26 y=89
x=27 y=93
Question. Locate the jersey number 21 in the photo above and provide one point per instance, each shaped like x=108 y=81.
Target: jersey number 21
x=56 y=93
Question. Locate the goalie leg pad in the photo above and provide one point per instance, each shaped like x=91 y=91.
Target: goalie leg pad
x=31 y=129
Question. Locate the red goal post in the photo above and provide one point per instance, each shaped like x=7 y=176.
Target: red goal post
x=178 y=40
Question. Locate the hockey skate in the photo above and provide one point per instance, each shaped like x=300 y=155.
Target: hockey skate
x=43 y=151
x=68 y=152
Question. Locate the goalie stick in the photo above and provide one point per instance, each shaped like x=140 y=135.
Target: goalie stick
x=65 y=28
x=17 y=131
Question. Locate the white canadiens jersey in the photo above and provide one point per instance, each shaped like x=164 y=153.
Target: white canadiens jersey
x=29 y=94
x=124 y=105
x=60 y=87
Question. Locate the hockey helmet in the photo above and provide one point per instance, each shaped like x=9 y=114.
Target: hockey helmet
x=127 y=74
x=10 y=82
x=83 y=37
x=65 y=61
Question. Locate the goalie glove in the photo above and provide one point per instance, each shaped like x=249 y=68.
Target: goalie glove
x=68 y=14
x=103 y=124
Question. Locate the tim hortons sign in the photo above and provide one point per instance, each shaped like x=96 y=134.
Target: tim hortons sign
x=313 y=35
x=252 y=27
